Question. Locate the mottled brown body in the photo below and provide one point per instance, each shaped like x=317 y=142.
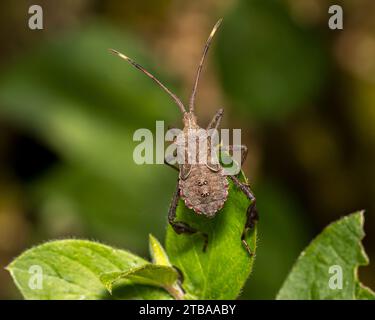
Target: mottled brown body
x=205 y=191
x=203 y=185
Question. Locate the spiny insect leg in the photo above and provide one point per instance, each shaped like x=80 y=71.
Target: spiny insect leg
x=215 y=122
x=168 y=158
x=181 y=227
x=251 y=215
x=167 y=161
x=232 y=148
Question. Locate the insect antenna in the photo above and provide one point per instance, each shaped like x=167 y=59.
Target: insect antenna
x=206 y=47
x=139 y=67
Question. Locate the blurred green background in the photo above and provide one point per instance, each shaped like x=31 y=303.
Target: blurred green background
x=303 y=95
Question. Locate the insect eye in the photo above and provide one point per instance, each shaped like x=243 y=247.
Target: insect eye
x=200 y=183
x=202 y=195
x=205 y=182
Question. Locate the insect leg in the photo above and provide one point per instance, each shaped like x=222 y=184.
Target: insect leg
x=213 y=139
x=251 y=214
x=167 y=160
x=215 y=122
x=181 y=227
x=170 y=157
x=241 y=147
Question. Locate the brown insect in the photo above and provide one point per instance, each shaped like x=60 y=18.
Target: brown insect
x=203 y=187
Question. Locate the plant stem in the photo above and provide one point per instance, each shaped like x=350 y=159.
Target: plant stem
x=176 y=292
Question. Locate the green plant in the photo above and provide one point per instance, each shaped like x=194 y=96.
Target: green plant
x=81 y=269
x=76 y=269
x=339 y=245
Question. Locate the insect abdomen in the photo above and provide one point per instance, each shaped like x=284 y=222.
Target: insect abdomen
x=204 y=190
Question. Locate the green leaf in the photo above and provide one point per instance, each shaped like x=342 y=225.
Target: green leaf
x=158 y=254
x=149 y=274
x=160 y=274
x=339 y=245
x=364 y=293
x=281 y=226
x=221 y=271
x=71 y=269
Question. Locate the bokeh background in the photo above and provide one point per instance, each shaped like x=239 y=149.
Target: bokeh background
x=304 y=96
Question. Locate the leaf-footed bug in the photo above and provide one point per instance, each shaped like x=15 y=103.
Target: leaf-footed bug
x=202 y=186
